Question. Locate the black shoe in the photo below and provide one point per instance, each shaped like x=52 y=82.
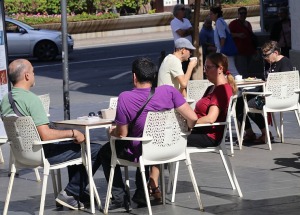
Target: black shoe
x=121 y=206
x=139 y=198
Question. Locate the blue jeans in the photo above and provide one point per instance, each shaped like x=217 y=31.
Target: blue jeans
x=65 y=151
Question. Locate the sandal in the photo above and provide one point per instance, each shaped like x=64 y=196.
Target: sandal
x=154 y=192
x=249 y=137
x=262 y=138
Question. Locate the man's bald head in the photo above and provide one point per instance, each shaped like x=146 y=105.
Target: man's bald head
x=16 y=70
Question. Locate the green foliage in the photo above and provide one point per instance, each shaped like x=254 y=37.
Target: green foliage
x=34 y=20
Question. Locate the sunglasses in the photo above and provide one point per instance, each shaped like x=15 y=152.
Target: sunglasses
x=182 y=8
x=267 y=55
x=243 y=13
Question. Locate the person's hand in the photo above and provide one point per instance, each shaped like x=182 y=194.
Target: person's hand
x=192 y=63
x=79 y=137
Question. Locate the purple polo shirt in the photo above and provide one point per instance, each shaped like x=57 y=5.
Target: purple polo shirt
x=129 y=103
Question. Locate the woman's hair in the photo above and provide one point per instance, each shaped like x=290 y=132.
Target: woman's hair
x=217 y=10
x=270 y=47
x=219 y=59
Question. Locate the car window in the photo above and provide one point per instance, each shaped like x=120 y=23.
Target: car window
x=11 y=27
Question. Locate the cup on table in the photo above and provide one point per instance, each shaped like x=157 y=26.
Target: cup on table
x=238 y=77
x=193 y=58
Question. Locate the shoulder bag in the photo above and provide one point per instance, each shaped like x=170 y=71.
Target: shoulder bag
x=229 y=47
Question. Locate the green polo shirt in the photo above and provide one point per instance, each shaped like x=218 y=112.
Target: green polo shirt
x=27 y=103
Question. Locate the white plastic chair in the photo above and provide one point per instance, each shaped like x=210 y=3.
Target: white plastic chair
x=27 y=152
x=221 y=149
x=195 y=91
x=2 y=141
x=163 y=141
x=282 y=94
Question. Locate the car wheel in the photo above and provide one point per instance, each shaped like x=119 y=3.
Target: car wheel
x=45 y=51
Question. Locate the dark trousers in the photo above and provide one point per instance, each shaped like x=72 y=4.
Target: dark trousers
x=199 y=139
x=78 y=178
x=118 y=188
x=255 y=117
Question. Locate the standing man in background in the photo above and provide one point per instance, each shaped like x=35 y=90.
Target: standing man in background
x=245 y=41
x=181 y=26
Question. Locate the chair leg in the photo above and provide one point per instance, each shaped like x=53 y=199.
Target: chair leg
x=109 y=187
x=1 y=156
x=37 y=174
x=297 y=113
x=268 y=140
x=237 y=129
x=9 y=189
x=54 y=183
x=230 y=139
x=242 y=131
x=175 y=181
x=96 y=195
x=281 y=127
x=230 y=171
x=142 y=168
x=194 y=182
x=43 y=195
x=225 y=163
x=275 y=125
x=127 y=184
x=171 y=176
x=162 y=183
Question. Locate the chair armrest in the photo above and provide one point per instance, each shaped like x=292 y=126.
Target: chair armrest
x=258 y=93
x=132 y=138
x=210 y=124
x=297 y=91
x=52 y=141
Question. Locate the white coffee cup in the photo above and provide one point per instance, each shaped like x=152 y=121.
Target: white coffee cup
x=193 y=58
x=238 y=77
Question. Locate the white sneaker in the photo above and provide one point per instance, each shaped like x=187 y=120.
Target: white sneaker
x=68 y=201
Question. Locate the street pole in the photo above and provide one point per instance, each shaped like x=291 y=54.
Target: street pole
x=198 y=70
x=65 y=59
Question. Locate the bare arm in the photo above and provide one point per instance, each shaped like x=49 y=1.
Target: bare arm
x=211 y=117
x=186 y=111
x=184 y=79
x=184 y=33
x=47 y=133
x=120 y=131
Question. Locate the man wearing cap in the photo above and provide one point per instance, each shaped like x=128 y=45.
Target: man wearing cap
x=170 y=71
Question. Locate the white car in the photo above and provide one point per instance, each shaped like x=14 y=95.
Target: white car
x=24 y=40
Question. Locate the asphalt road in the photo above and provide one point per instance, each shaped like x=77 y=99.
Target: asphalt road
x=95 y=75
x=99 y=68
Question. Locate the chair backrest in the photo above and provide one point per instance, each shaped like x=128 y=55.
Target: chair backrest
x=113 y=103
x=196 y=89
x=21 y=134
x=282 y=85
x=166 y=129
x=230 y=111
x=45 y=98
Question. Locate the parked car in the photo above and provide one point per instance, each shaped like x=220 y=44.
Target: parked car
x=24 y=40
x=270 y=11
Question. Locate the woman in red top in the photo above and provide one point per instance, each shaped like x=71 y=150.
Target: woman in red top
x=212 y=107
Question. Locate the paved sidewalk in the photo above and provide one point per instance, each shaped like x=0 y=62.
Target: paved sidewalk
x=269 y=181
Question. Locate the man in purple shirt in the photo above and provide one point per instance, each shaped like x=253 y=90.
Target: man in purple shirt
x=129 y=103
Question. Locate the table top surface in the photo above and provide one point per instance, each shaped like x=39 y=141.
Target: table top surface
x=250 y=82
x=86 y=122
